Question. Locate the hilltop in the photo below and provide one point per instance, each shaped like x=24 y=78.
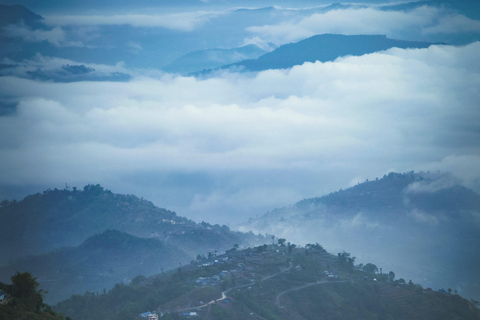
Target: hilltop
x=97 y=264
x=88 y=240
x=424 y=224
x=323 y=47
x=212 y=58
x=280 y=281
x=61 y=218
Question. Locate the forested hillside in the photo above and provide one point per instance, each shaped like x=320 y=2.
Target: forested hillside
x=280 y=281
x=426 y=224
x=97 y=264
x=59 y=218
x=76 y=241
x=322 y=47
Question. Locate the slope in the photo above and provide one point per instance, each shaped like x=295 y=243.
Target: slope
x=424 y=224
x=61 y=218
x=212 y=58
x=98 y=263
x=325 y=47
x=272 y=282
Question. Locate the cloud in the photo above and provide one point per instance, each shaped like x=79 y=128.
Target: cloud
x=60 y=69
x=464 y=166
x=55 y=36
x=419 y=24
x=302 y=131
x=259 y=43
x=185 y=21
x=424 y=186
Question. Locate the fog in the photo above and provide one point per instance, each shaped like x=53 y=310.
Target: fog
x=85 y=99
x=230 y=147
x=86 y=105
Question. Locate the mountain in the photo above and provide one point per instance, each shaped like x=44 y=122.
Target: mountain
x=98 y=263
x=280 y=281
x=18 y=14
x=212 y=58
x=424 y=224
x=324 y=47
x=65 y=218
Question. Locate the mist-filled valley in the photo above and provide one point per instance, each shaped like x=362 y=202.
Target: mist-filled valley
x=268 y=159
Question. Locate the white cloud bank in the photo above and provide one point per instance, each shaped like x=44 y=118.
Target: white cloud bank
x=422 y=23
x=55 y=36
x=184 y=21
x=297 y=133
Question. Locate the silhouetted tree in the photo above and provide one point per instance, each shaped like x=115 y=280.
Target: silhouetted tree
x=370 y=268
x=391 y=275
x=25 y=290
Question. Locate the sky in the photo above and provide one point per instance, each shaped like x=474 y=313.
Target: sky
x=85 y=101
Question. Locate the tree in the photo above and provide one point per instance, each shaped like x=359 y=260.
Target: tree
x=138 y=279
x=345 y=261
x=25 y=290
x=391 y=275
x=291 y=247
x=370 y=268
x=281 y=242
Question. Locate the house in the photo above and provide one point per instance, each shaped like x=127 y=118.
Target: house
x=190 y=314
x=3 y=295
x=149 y=315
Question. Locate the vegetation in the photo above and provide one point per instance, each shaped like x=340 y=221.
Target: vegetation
x=63 y=218
x=95 y=238
x=423 y=222
x=25 y=300
x=269 y=282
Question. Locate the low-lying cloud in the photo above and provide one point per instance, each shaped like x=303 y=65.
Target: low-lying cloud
x=301 y=131
x=424 y=23
x=56 y=36
x=185 y=21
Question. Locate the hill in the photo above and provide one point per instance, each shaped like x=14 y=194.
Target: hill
x=212 y=58
x=324 y=47
x=18 y=14
x=272 y=282
x=98 y=263
x=65 y=218
x=424 y=224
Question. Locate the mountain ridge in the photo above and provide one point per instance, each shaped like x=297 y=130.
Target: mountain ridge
x=423 y=223
x=275 y=281
x=212 y=58
x=60 y=218
x=98 y=263
x=323 y=48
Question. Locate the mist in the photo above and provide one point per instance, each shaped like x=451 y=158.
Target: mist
x=233 y=146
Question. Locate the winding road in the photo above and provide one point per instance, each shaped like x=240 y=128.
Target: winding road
x=224 y=293
x=277 y=300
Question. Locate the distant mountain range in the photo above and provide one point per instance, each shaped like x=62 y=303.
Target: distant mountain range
x=59 y=218
x=324 y=47
x=424 y=224
x=98 y=263
x=76 y=240
x=272 y=282
x=17 y=13
x=212 y=58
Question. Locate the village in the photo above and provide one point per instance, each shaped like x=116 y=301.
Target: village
x=238 y=270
